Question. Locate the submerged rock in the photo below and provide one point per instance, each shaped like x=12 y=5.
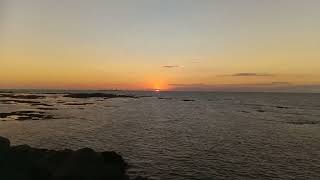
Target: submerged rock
x=26 y=163
x=27 y=115
x=188 y=100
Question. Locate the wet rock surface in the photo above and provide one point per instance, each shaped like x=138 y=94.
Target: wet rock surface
x=304 y=122
x=47 y=109
x=26 y=115
x=26 y=163
x=282 y=107
x=164 y=98
x=188 y=100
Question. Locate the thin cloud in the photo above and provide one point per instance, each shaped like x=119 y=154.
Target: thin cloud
x=254 y=87
x=201 y=85
x=196 y=61
x=171 y=66
x=252 y=74
x=187 y=85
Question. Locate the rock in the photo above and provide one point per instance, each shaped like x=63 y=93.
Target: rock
x=27 y=115
x=111 y=160
x=282 y=107
x=26 y=163
x=86 y=164
x=113 y=157
x=4 y=144
x=188 y=100
x=20 y=149
x=82 y=164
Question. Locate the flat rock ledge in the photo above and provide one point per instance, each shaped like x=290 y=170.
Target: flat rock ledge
x=26 y=163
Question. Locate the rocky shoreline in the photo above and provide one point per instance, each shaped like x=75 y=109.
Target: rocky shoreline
x=23 y=162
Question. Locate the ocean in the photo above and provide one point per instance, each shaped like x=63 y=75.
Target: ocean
x=176 y=135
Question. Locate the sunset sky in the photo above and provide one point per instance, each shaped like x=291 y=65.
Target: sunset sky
x=218 y=45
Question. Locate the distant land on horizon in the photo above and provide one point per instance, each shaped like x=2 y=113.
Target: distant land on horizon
x=156 y=90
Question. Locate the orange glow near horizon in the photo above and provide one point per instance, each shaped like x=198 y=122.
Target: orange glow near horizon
x=195 y=46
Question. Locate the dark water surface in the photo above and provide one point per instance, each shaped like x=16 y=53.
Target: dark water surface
x=182 y=135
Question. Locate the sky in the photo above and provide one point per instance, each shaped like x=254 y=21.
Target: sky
x=200 y=45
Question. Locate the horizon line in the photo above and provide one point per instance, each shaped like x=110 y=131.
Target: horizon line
x=153 y=90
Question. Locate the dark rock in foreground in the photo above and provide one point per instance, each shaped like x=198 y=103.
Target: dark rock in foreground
x=25 y=163
x=97 y=95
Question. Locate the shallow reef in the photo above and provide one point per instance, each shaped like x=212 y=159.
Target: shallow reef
x=26 y=115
